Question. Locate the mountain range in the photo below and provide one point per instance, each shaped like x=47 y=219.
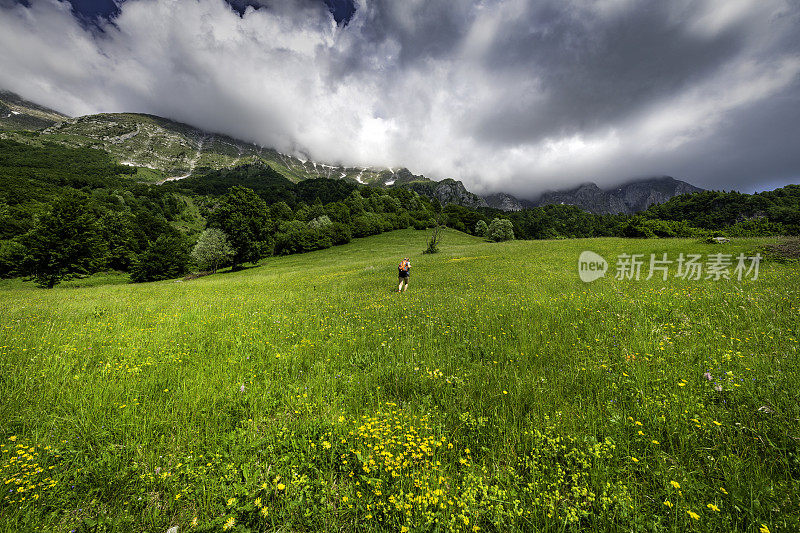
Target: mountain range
x=164 y=150
x=629 y=198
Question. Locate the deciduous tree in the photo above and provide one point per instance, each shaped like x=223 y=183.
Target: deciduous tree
x=501 y=229
x=212 y=250
x=165 y=258
x=244 y=218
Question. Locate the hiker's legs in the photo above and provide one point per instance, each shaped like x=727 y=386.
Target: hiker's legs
x=403 y=280
x=405 y=287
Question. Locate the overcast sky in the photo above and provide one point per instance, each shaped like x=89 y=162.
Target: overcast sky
x=516 y=95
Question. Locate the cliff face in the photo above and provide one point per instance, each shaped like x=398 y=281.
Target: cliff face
x=450 y=191
x=447 y=191
x=503 y=201
x=588 y=197
x=640 y=195
x=629 y=198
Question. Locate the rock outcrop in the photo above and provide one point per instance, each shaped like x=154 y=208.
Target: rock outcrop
x=641 y=194
x=629 y=198
x=447 y=191
x=503 y=201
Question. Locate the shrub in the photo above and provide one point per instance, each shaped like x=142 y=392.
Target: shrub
x=637 y=228
x=296 y=236
x=339 y=233
x=757 y=227
x=419 y=224
x=402 y=221
x=367 y=224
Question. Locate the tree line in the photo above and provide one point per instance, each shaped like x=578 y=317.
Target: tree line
x=69 y=212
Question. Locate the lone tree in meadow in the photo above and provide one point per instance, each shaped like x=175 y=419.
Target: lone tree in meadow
x=501 y=229
x=436 y=235
x=212 y=250
x=244 y=217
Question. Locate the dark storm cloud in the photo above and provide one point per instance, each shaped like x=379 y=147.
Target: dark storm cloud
x=592 y=73
x=421 y=30
x=504 y=94
x=760 y=141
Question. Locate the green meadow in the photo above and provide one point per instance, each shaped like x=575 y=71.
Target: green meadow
x=500 y=393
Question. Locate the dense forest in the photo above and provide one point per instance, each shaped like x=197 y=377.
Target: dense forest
x=73 y=211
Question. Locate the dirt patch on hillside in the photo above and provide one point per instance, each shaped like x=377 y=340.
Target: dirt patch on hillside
x=194 y=275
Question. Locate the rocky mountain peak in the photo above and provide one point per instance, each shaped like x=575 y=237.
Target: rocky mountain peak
x=628 y=198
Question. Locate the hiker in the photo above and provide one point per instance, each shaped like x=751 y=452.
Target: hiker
x=404 y=271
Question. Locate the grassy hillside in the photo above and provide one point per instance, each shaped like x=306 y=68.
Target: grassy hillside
x=500 y=393
x=162 y=148
x=18 y=114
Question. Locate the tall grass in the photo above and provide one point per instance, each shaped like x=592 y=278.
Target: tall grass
x=499 y=393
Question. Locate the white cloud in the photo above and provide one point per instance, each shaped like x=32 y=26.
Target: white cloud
x=288 y=77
